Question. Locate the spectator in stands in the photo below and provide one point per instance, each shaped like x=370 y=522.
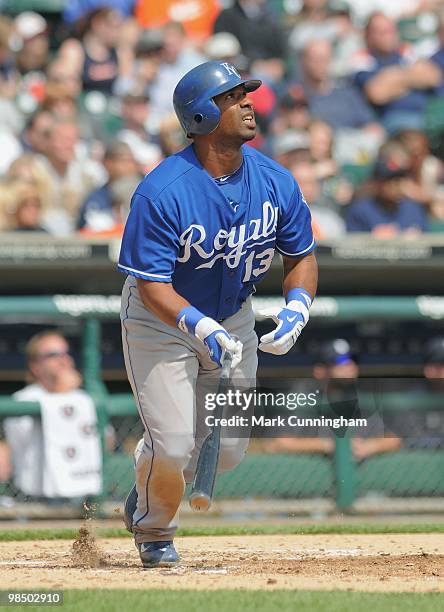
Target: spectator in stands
x=63 y=97
x=11 y=117
x=324 y=210
x=341 y=105
x=425 y=183
x=36 y=133
x=224 y=46
x=292 y=111
x=57 y=456
x=291 y=147
x=426 y=424
x=176 y=58
x=261 y=37
x=321 y=149
x=10 y=148
x=61 y=73
x=8 y=71
x=171 y=138
x=333 y=184
x=111 y=225
x=31 y=43
x=388 y=213
x=25 y=209
x=135 y=114
x=325 y=20
x=393 y=83
x=95 y=58
x=25 y=171
x=350 y=38
x=438 y=57
x=145 y=66
x=27 y=168
x=69 y=177
x=312 y=21
x=59 y=102
x=336 y=370
x=96 y=213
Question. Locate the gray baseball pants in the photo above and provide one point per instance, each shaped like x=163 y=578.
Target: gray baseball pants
x=169 y=373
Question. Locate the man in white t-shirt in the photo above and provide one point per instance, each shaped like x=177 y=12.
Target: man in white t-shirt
x=57 y=455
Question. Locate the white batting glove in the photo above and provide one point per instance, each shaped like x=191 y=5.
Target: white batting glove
x=214 y=336
x=290 y=320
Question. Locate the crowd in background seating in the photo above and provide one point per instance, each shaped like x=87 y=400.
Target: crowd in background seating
x=352 y=104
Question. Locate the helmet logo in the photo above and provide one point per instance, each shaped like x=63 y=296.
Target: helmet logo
x=230 y=69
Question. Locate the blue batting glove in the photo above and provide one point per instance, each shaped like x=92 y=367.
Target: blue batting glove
x=214 y=336
x=290 y=320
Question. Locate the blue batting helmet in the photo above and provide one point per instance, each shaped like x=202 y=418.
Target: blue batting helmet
x=194 y=93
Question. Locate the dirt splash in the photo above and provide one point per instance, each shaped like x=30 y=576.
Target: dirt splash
x=86 y=552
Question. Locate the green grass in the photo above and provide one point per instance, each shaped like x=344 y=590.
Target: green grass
x=245 y=601
x=10 y=535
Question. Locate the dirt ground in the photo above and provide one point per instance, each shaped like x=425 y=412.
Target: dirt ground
x=348 y=562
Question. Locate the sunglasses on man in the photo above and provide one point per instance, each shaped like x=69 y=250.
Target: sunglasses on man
x=51 y=355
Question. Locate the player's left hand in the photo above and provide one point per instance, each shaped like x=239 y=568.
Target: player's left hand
x=290 y=320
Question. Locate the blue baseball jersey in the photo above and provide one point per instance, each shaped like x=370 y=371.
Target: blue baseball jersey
x=185 y=230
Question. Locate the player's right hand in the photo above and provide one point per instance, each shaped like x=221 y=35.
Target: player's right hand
x=218 y=341
x=212 y=334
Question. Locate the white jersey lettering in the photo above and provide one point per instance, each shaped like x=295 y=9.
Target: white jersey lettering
x=236 y=239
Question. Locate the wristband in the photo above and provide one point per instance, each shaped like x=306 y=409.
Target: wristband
x=188 y=318
x=299 y=294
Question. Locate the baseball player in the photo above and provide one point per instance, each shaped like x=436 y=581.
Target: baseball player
x=202 y=231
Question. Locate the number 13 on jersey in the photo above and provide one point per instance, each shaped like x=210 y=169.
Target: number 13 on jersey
x=257 y=264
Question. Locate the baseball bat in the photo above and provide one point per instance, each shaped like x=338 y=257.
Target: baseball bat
x=205 y=475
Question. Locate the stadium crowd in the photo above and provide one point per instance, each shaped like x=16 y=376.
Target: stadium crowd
x=352 y=103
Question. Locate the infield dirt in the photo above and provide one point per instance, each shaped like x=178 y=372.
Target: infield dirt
x=411 y=562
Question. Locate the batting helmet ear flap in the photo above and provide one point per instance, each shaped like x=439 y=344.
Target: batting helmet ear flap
x=200 y=117
x=197 y=119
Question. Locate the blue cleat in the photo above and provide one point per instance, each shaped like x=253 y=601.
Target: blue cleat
x=129 y=508
x=158 y=554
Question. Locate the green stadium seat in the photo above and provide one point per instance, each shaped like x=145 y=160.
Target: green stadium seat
x=14 y=7
x=410 y=29
x=356 y=173
x=434 y=116
x=436 y=226
x=101 y=113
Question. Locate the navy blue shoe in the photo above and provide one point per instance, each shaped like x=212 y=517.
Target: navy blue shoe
x=129 y=508
x=158 y=554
